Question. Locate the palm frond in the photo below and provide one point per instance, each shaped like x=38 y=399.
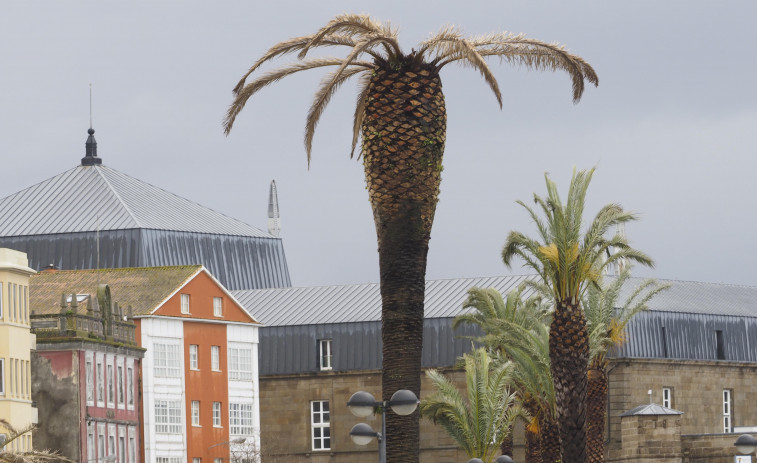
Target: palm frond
x=358 y=25
x=363 y=91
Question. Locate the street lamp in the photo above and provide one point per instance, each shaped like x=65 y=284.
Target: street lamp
x=746 y=444
x=504 y=459
x=362 y=404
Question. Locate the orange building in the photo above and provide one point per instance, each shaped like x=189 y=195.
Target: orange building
x=200 y=371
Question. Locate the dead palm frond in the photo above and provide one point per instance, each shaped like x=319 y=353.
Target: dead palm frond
x=24 y=456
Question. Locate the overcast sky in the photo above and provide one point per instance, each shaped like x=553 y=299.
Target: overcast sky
x=672 y=127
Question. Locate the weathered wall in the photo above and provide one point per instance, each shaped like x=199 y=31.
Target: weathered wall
x=55 y=389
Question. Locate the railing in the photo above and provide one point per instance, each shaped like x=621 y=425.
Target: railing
x=74 y=325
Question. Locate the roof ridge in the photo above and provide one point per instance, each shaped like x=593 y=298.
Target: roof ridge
x=120 y=199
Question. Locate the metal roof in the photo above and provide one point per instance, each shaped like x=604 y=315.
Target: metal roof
x=88 y=198
x=651 y=409
x=444 y=298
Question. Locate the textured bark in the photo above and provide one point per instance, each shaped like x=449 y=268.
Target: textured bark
x=403 y=141
x=596 y=407
x=569 y=354
x=549 y=440
x=506 y=447
x=533 y=449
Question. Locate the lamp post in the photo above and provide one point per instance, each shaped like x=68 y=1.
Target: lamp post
x=746 y=444
x=362 y=404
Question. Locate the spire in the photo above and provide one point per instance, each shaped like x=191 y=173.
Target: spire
x=90 y=158
x=274 y=221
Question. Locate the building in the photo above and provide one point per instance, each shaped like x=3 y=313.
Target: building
x=694 y=350
x=93 y=216
x=85 y=375
x=16 y=345
x=199 y=376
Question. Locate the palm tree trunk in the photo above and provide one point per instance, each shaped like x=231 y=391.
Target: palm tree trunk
x=533 y=449
x=403 y=140
x=596 y=407
x=549 y=440
x=506 y=447
x=569 y=355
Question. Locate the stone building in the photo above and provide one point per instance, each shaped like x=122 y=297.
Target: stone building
x=85 y=375
x=694 y=350
x=199 y=376
x=16 y=345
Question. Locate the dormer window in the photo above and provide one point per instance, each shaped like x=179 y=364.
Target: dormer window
x=324 y=354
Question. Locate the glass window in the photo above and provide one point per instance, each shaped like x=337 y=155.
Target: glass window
x=132 y=444
x=727 y=406
x=2 y=376
x=193 y=360
x=195 y=413
x=240 y=363
x=90 y=442
x=90 y=383
x=320 y=424
x=166 y=357
x=218 y=307
x=168 y=460
x=217 y=414
x=168 y=416
x=324 y=354
x=101 y=439
x=215 y=358
x=1 y=299
x=240 y=420
x=130 y=386
x=100 y=382
x=185 y=303
x=110 y=384
x=667 y=397
x=120 y=385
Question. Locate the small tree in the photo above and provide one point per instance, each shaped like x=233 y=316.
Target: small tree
x=481 y=420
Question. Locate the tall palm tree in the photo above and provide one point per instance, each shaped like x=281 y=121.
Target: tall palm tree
x=568 y=260
x=401 y=117
x=481 y=419
x=606 y=320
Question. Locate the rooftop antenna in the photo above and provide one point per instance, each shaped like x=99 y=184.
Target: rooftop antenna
x=90 y=105
x=274 y=220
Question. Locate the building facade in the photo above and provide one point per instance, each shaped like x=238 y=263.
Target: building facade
x=16 y=345
x=694 y=350
x=200 y=392
x=86 y=379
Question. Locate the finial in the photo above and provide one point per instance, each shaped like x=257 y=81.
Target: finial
x=274 y=220
x=90 y=158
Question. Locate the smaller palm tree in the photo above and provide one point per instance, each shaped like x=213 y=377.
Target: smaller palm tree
x=481 y=419
x=24 y=456
x=606 y=321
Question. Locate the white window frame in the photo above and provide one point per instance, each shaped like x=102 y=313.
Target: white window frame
x=727 y=411
x=166 y=360
x=215 y=358
x=1 y=300
x=240 y=419
x=2 y=376
x=320 y=425
x=130 y=387
x=194 y=359
x=101 y=444
x=120 y=396
x=110 y=385
x=217 y=306
x=168 y=417
x=90 y=375
x=132 y=433
x=239 y=360
x=111 y=439
x=217 y=415
x=168 y=460
x=196 y=413
x=121 y=444
x=100 y=381
x=218 y=460
x=185 y=303
x=90 y=442
x=667 y=397
x=196 y=460
x=325 y=355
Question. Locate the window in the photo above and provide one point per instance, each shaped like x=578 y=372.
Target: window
x=100 y=382
x=185 y=303
x=1 y=299
x=727 y=406
x=90 y=442
x=130 y=386
x=320 y=424
x=167 y=360
x=240 y=419
x=25 y=302
x=324 y=354
x=132 y=444
x=111 y=444
x=110 y=384
x=168 y=460
x=218 y=460
x=667 y=397
x=2 y=376
x=215 y=358
x=121 y=445
x=217 y=414
x=719 y=345
x=218 y=307
x=196 y=460
x=193 y=361
x=120 y=385
x=664 y=343
x=240 y=363
x=195 y=413
x=101 y=439
x=168 y=416
x=90 y=383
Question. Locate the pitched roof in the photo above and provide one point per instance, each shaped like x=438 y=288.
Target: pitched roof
x=88 y=198
x=444 y=298
x=651 y=409
x=141 y=288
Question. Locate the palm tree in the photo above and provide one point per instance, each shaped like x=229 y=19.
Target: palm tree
x=401 y=117
x=606 y=321
x=568 y=261
x=24 y=456
x=479 y=421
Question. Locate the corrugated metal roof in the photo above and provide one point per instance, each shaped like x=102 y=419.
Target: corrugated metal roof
x=651 y=409
x=87 y=198
x=444 y=298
